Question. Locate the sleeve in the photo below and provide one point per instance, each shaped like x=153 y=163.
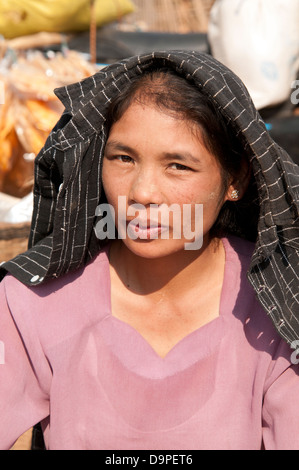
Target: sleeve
x=281 y=411
x=24 y=399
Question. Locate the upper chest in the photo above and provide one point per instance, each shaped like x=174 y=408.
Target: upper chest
x=163 y=321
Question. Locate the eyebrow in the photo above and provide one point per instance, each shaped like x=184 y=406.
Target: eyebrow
x=184 y=157
x=120 y=146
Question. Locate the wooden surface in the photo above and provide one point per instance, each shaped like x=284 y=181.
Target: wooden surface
x=175 y=16
x=14 y=240
x=24 y=442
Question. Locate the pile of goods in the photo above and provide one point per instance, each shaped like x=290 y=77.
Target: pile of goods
x=29 y=109
x=23 y=17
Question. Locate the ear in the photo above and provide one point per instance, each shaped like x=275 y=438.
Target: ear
x=238 y=186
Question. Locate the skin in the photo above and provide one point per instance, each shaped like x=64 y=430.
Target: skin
x=162 y=290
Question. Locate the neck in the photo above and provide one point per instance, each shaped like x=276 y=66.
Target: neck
x=173 y=274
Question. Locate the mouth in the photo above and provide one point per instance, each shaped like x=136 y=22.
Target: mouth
x=145 y=230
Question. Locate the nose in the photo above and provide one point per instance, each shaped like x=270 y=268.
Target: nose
x=145 y=188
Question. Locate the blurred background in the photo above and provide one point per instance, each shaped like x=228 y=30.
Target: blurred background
x=44 y=45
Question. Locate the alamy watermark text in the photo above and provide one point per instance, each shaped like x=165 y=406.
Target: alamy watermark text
x=135 y=221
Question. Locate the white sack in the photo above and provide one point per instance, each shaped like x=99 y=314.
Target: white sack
x=259 y=41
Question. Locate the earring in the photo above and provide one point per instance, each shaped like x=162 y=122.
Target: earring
x=234 y=194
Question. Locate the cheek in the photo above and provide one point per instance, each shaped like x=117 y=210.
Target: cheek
x=104 y=177
x=202 y=192
x=211 y=196
x=110 y=185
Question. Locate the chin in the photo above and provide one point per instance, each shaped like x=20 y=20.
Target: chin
x=155 y=249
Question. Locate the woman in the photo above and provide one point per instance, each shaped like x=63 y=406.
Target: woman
x=152 y=336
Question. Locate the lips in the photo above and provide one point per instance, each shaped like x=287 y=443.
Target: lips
x=144 y=229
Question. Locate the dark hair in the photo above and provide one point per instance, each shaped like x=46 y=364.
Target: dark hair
x=179 y=97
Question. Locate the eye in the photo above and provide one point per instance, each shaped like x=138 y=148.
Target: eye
x=124 y=158
x=119 y=158
x=180 y=167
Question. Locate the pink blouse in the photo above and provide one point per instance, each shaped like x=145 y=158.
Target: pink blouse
x=95 y=383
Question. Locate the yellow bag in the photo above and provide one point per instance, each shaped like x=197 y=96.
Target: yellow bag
x=23 y=17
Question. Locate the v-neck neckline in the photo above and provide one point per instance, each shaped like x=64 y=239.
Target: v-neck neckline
x=131 y=346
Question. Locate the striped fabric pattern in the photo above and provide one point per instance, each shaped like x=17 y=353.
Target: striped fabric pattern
x=68 y=182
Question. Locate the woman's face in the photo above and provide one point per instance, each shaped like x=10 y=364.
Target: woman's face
x=158 y=162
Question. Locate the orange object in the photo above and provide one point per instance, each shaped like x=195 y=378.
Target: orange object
x=30 y=112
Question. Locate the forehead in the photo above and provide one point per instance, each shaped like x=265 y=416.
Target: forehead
x=145 y=131
x=152 y=118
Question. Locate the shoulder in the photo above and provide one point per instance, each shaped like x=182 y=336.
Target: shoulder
x=96 y=270
x=247 y=310
x=65 y=304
